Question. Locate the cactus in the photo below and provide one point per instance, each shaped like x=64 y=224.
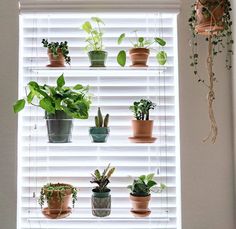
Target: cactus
x=99 y=122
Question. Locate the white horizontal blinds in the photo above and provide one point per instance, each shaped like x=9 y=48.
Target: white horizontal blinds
x=114 y=89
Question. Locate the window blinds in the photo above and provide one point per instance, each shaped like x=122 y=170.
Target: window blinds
x=114 y=89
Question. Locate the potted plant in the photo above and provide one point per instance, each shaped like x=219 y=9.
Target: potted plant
x=95 y=48
x=100 y=132
x=140 y=194
x=57 y=53
x=140 y=52
x=58 y=197
x=101 y=198
x=142 y=126
x=61 y=105
x=211 y=18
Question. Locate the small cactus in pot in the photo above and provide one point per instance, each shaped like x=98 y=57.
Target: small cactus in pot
x=100 y=132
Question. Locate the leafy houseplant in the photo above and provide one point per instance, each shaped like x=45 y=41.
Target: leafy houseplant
x=211 y=18
x=57 y=197
x=140 y=194
x=142 y=126
x=57 y=53
x=61 y=105
x=140 y=51
x=95 y=47
x=101 y=198
x=100 y=132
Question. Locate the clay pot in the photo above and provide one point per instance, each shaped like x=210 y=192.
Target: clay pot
x=55 y=205
x=139 y=57
x=58 y=61
x=142 y=128
x=140 y=203
x=212 y=23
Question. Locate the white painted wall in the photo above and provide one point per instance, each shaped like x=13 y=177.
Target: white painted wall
x=207 y=170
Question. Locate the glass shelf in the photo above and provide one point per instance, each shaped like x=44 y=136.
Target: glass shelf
x=117 y=214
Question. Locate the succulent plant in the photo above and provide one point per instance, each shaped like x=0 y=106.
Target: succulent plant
x=99 y=121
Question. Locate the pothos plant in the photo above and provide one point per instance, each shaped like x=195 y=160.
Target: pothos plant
x=56 y=47
x=218 y=35
x=74 y=101
x=95 y=34
x=142 y=108
x=61 y=190
x=102 y=179
x=142 y=42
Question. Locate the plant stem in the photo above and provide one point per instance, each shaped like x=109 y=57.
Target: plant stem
x=211 y=94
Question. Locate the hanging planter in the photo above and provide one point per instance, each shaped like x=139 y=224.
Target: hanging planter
x=211 y=18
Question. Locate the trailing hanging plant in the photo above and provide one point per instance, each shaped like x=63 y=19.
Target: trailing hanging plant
x=211 y=18
x=56 y=47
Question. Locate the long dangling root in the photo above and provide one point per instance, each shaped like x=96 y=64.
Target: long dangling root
x=211 y=95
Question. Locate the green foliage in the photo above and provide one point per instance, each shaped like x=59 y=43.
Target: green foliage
x=142 y=108
x=99 y=122
x=54 y=47
x=74 y=101
x=95 y=34
x=143 y=185
x=102 y=179
x=220 y=40
x=141 y=42
x=60 y=189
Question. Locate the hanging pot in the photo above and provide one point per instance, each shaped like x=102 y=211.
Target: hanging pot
x=209 y=15
x=139 y=57
x=56 y=61
x=101 y=203
x=97 y=58
x=59 y=126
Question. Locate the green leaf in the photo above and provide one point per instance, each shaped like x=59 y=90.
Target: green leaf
x=78 y=87
x=121 y=38
x=97 y=20
x=161 y=57
x=121 y=58
x=150 y=176
x=151 y=183
x=33 y=85
x=60 y=81
x=160 y=41
x=46 y=104
x=140 y=39
x=142 y=178
x=87 y=27
x=30 y=97
x=19 y=105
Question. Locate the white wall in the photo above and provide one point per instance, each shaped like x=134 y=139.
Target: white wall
x=8 y=121
x=207 y=170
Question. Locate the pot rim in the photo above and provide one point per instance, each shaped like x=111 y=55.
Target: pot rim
x=104 y=51
x=59 y=184
x=109 y=190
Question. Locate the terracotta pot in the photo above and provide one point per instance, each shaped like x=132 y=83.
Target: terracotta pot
x=214 y=22
x=55 y=205
x=139 y=57
x=58 y=61
x=140 y=203
x=142 y=128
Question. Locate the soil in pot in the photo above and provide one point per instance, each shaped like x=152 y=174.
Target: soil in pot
x=58 y=61
x=139 y=57
x=97 y=58
x=212 y=21
x=99 y=134
x=101 y=203
x=56 y=207
x=59 y=126
x=140 y=205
